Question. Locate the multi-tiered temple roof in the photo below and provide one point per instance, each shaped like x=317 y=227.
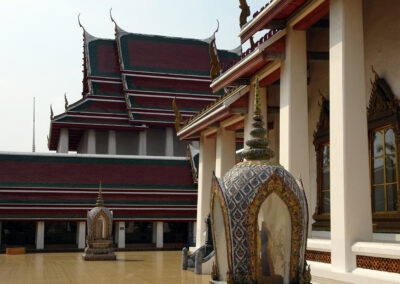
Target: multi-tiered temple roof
x=130 y=81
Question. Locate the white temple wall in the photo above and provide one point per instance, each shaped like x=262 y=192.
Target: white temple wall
x=156 y=142
x=83 y=144
x=273 y=117
x=127 y=142
x=101 y=142
x=382 y=42
x=179 y=146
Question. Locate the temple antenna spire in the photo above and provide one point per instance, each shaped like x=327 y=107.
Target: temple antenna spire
x=100 y=201
x=33 y=134
x=258 y=144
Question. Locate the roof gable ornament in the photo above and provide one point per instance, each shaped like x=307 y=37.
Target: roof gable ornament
x=66 y=101
x=381 y=99
x=87 y=37
x=118 y=30
x=215 y=64
x=51 y=113
x=178 y=117
x=243 y=16
x=245 y=12
x=258 y=144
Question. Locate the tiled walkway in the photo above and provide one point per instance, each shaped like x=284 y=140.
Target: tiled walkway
x=162 y=267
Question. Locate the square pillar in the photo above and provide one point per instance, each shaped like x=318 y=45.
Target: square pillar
x=160 y=234
x=194 y=231
x=225 y=151
x=121 y=234
x=81 y=234
x=63 y=141
x=40 y=235
x=143 y=143
x=154 y=236
x=293 y=120
x=351 y=217
x=206 y=168
x=169 y=142
x=116 y=232
x=91 y=146
x=112 y=143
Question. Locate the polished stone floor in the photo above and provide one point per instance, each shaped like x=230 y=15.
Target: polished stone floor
x=162 y=267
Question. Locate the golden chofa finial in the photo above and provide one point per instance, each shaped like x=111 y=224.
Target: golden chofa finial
x=178 y=117
x=51 y=113
x=100 y=201
x=66 y=101
x=79 y=21
x=112 y=19
x=245 y=12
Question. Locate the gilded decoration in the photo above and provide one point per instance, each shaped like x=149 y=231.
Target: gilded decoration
x=321 y=137
x=217 y=193
x=106 y=225
x=213 y=51
x=178 y=116
x=290 y=196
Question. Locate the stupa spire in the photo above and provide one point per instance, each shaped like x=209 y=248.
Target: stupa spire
x=258 y=144
x=100 y=201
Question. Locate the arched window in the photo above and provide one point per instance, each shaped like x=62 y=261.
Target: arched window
x=321 y=143
x=384 y=138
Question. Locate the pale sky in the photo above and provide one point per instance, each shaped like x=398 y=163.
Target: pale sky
x=41 y=50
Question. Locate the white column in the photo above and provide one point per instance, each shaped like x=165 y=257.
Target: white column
x=121 y=234
x=63 y=141
x=273 y=138
x=116 y=232
x=160 y=235
x=143 y=143
x=293 y=121
x=351 y=218
x=206 y=168
x=112 y=142
x=81 y=230
x=91 y=147
x=194 y=231
x=169 y=142
x=40 y=235
x=225 y=151
x=154 y=236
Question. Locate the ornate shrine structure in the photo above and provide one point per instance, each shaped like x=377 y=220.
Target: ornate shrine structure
x=259 y=218
x=343 y=150
x=99 y=243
